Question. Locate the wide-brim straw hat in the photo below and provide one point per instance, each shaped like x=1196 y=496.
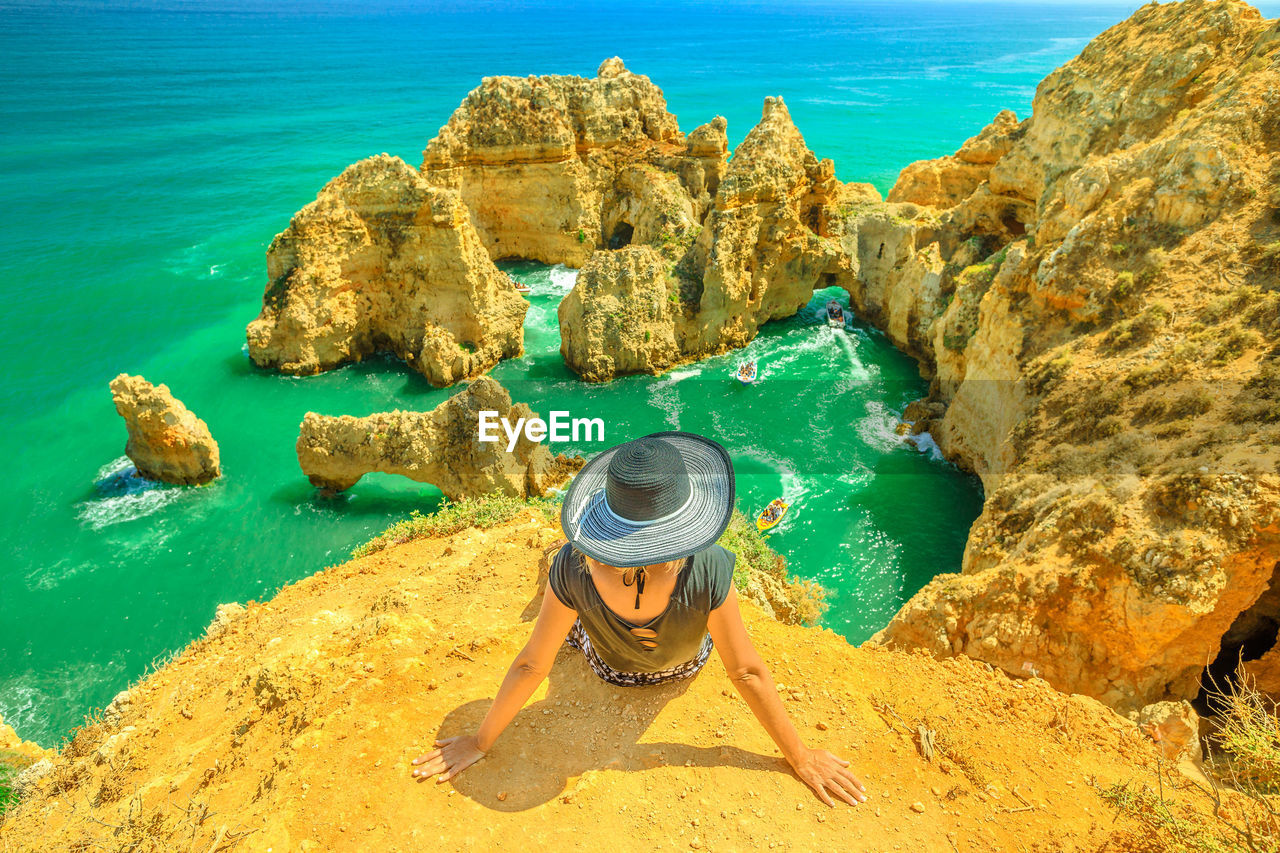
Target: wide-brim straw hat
x=652 y=500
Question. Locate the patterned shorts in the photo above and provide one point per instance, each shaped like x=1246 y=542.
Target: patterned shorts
x=579 y=640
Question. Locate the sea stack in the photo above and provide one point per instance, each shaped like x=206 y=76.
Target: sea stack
x=383 y=262
x=167 y=442
x=554 y=167
x=441 y=447
x=771 y=235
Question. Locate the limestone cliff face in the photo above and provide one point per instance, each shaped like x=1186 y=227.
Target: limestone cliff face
x=292 y=726
x=947 y=181
x=764 y=247
x=441 y=447
x=167 y=441
x=620 y=316
x=561 y=169
x=555 y=167
x=707 y=282
x=382 y=261
x=1103 y=331
x=27 y=751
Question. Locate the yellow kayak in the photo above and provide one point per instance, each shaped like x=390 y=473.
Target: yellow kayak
x=772 y=514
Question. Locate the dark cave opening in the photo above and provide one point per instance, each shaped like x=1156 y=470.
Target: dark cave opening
x=1013 y=225
x=1251 y=635
x=622 y=234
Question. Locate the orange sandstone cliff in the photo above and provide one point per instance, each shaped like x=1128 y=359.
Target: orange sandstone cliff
x=441 y=447
x=167 y=442
x=291 y=724
x=554 y=167
x=1092 y=291
x=383 y=262
x=1096 y=294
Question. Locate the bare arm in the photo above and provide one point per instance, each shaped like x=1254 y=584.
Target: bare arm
x=528 y=670
x=819 y=769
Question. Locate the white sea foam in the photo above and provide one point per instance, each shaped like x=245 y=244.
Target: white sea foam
x=561 y=279
x=542 y=317
x=677 y=376
x=123 y=495
x=193 y=261
x=794 y=486
x=667 y=398
x=27 y=698
x=925 y=444
x=795 y=346
x=879 y=428
x=45 y=577
x=857 y=476
x=664 y=395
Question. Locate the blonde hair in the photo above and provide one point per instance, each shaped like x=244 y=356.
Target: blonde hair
x=672 y=566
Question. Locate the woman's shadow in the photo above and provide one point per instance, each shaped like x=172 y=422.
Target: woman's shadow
x=581 y=724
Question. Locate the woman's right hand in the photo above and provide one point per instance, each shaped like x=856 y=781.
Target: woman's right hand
x=824 y=772
x=451 y=757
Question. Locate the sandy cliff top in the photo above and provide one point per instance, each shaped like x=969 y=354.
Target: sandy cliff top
x=290 y=727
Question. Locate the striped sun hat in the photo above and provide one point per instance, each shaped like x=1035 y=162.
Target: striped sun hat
x=655 y=499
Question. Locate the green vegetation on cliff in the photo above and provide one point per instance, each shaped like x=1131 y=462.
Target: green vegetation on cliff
x=760 y=573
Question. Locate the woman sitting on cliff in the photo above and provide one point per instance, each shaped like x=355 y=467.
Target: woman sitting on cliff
x=637 y=588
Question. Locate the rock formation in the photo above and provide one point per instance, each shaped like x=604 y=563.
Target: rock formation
x=25 y=750
x=555 y=167
x=441 y=447
x=620 y=316
x=293 y=727
x=1094 y=294
x=765 y=245
x=167 y=441
x=382 y=261
x=1091 y=290
x=947 y=181
x=709 y=283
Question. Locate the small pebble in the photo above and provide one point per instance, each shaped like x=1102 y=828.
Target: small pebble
x=918 y=807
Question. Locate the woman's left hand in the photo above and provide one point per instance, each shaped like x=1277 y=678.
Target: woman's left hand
x=452 y=756
x=824 y=772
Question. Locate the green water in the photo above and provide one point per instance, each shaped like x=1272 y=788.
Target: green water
x=137 y=569
x=147 y=157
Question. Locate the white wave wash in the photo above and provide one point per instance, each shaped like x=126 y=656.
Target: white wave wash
x=561 y=279
x=925 y=444
x=124 y=495
x=46 y=577
x=879 y=429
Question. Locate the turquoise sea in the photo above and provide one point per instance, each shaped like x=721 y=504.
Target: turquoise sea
x=148 y=154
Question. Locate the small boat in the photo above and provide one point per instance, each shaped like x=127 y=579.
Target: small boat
x=522 y=288
x=772 y=514
x=747 y=373
x=835 y=315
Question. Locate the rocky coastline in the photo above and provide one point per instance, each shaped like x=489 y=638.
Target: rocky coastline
x=440 y=447
x=1092 y=292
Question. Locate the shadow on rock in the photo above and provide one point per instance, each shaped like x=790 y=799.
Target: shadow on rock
x=581 y=724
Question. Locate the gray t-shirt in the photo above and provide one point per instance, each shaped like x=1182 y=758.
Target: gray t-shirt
x=702 y=586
